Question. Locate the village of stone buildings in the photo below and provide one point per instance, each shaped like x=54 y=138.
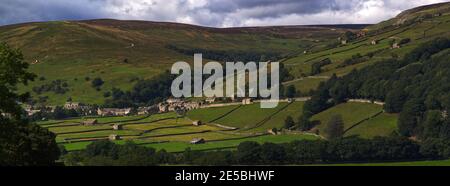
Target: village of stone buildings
x=169 y=105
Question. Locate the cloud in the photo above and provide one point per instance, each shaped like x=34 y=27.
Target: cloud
x=217 y=13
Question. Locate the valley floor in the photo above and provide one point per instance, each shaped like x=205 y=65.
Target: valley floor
x=223 y=127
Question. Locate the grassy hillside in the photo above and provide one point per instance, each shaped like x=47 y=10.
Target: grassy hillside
x=352 y=114
x=211 y=114
x=248 y=116
x=418 y=25
x=120 y=52
x=277 y=121
x=382 y=125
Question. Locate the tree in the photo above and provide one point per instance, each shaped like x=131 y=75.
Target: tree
x=291 y=91
x=21 y=142
x=248 y=153
x=59 y=113
x=97 y=82
x=395 y=100
x=335 y=127
x=349 y=35
x=272 y=154
x=409 y=117
x=303 y=123
x=404 y=41
x=432 y=124
x=289 y=122
x=435 y=148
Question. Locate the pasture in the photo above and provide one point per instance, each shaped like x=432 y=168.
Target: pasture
x=166 y=131
x=352 y=114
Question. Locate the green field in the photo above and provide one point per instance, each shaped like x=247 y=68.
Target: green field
x=210 y=114
x=277 y=121
x=382 y=125
x=215 y=145
x=352 y=113
x=305 y=85
x=165 y=131
x=248 y=116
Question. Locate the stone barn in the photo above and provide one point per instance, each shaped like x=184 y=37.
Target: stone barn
x=197 y=141
x=114 y=137
x=395 y=45
x=197 y=123
x=117 y=127
x=247 y=101
x=374 y=42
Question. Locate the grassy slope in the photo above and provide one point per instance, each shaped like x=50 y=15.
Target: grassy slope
x=210 y=114
x=306 y=85
x=435 y=27
x=382 y=125
x=277 y=121
x=74 y=50
x=351 y=113
x=248 y=116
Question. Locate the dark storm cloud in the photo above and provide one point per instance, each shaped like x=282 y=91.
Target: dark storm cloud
x=16 y=11
x=221 y=13
x=278 y=7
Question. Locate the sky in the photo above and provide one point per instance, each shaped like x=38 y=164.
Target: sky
x=213 y=13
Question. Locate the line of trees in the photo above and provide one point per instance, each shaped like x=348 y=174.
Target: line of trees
x=339 y=150
x=57 y=86
x=316 y=68
x=155 y=90
x=144 y=92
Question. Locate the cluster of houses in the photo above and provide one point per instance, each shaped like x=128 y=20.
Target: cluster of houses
x=113 y=111
x=84 y=109
x=174 y=104
x=31 y=110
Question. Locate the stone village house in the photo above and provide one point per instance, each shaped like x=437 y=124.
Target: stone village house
x=113 y=112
